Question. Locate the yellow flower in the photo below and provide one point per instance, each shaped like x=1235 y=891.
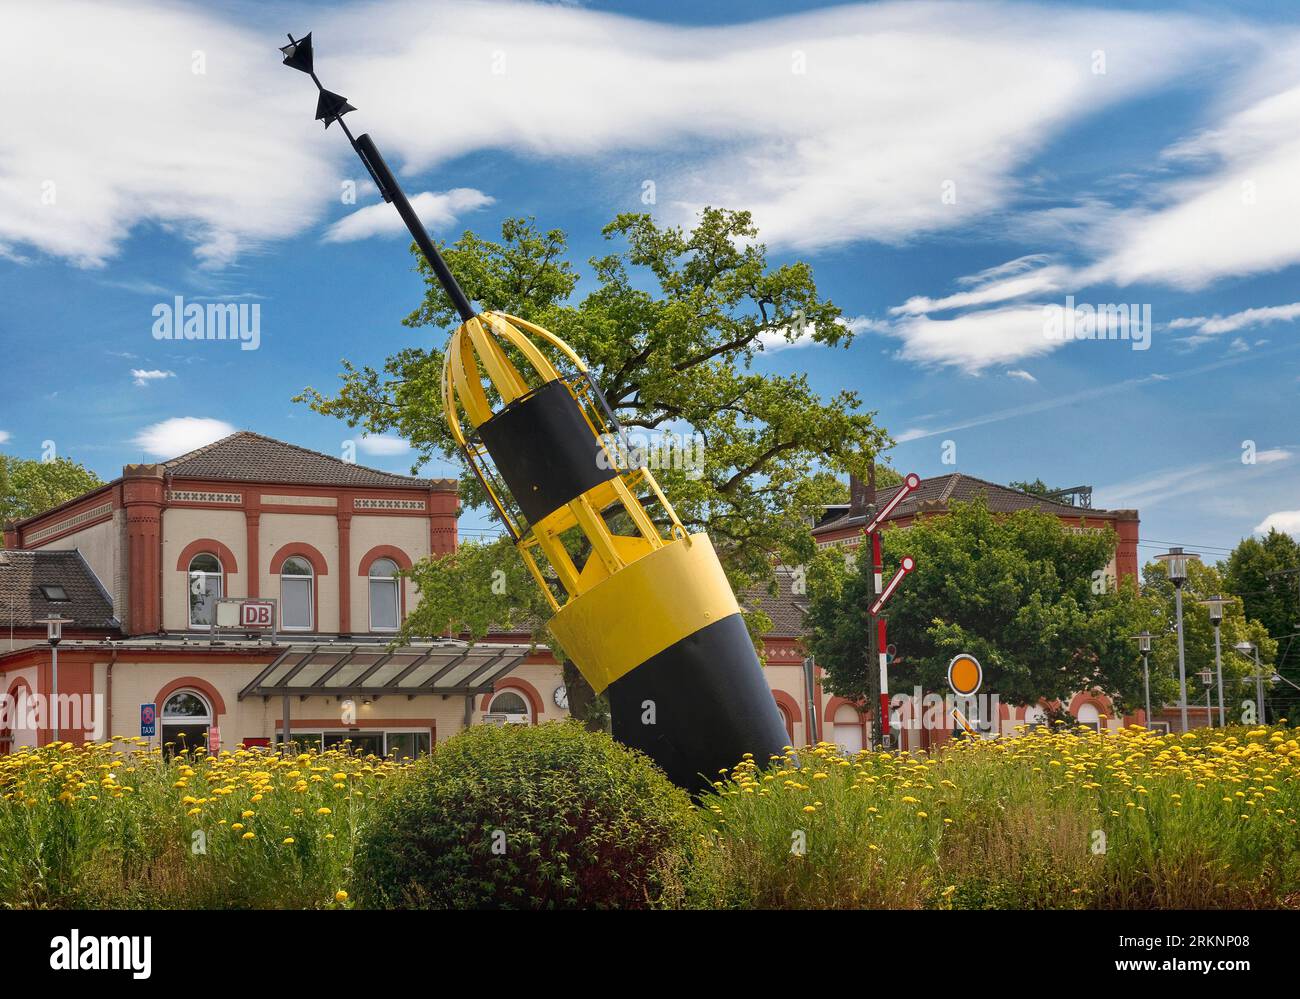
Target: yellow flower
x=287 y=841
x=249 y=835
x=340 y=896
x=322 y=811
x=809 y=808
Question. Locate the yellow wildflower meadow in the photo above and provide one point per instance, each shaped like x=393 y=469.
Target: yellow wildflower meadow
x=1070 y=819
x=117 y=824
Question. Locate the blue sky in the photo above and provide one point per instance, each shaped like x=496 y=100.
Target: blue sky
x=955 y=174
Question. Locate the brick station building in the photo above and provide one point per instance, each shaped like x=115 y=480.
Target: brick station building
x=140 y=564
x=140 y=567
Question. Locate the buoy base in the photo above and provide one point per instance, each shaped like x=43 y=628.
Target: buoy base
x=699 y=706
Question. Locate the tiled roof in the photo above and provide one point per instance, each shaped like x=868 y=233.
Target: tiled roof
x=248 y=457
x=21 y=572
x=956 y=487
x=786 y=608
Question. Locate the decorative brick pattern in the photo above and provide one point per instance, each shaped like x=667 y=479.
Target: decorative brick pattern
x=389 y=504
x=193 y=496
x=94 y=513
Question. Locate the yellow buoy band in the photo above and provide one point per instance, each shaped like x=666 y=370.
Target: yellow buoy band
x=644 y=608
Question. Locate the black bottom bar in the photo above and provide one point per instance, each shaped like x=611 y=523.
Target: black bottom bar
x=699 y=706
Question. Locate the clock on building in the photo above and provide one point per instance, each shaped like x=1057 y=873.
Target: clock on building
x=561 y=698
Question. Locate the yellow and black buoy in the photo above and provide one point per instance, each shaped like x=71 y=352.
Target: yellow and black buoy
x=649 y=615
x=641 y=606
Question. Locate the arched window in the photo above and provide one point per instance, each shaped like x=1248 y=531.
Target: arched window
x=848 y=729
x=511 y=705
x=385 y=595
x=1089 y=715
x=205 y=589
x=186 y=718
x=297 y=599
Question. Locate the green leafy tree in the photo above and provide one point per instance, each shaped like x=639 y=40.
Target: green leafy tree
x=30 y=487
x=1265 y=573
x=671 y=330
x=1036 y=488
x=1027 y=597
x=1198 y=640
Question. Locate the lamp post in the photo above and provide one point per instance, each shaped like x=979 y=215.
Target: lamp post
x=1175 y=561
x=1246 y=649
x=54 y=635
x=1144 y=646
x=1215 y=606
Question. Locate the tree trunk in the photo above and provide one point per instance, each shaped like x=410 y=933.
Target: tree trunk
x=582 y=699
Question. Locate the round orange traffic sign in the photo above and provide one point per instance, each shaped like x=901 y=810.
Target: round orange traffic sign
x=965 y=674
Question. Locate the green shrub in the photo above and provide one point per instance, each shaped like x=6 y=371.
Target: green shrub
x=524 y=818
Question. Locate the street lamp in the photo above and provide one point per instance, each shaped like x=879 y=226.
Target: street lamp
x=1175 y=561
x=1144 y=646
x=1216 y=605
x=1246 y=649
x=54 y=635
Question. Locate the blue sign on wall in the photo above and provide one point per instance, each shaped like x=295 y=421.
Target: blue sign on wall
x=148 y=719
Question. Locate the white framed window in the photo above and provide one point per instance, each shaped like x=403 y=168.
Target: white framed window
x=385 y=595
x=186 y=718
x=508 y=707
x=205 y=589
x=848 y=729
x=1090 y=716
x=297 y=595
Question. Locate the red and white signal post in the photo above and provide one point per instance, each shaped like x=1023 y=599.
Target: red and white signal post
x=880 y=594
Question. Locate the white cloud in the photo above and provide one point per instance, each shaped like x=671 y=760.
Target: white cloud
x=383 y=446
x=180 y=434
x=1015 y=279
x=436 y=211
x=4 y=436
x=1211 y=326
x=976 y=340
x=115 y=128
x=1023 y=375
x=144 y=376
x=1238 y=216
x=1286 y=521
x=832 y=125
x=1162 y=485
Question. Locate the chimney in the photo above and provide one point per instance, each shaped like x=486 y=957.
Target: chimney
x=862 y=496
x=857 y=497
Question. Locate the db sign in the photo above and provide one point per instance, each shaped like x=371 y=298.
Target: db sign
x=256 y=614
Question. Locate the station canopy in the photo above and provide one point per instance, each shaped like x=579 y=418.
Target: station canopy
x=342 y=669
